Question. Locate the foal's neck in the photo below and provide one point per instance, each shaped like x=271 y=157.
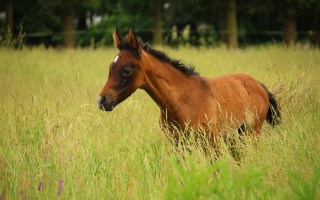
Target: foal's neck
x=166 y=85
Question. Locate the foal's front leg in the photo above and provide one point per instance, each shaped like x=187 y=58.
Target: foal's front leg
x=169 y=132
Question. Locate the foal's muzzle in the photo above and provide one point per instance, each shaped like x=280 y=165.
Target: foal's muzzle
x=105 y=104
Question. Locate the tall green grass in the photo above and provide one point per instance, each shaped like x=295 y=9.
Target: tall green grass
x=54 y=142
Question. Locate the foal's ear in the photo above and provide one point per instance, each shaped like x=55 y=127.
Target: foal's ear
x=117 y=39
x=134 y=43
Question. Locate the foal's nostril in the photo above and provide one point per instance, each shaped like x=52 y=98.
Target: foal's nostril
x=101 y=99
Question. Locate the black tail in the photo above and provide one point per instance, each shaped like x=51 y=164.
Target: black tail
x=273 y=115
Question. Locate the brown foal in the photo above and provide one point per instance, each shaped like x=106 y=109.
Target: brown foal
x=187 y=100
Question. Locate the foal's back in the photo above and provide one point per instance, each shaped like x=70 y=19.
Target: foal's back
x=237 y=100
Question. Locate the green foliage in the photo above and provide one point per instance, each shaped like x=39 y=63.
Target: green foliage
x=136 y=17
x=217 y=181
x=304 y=188
x=52 y=131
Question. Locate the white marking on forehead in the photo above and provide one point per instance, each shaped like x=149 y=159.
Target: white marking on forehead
x=116 y=58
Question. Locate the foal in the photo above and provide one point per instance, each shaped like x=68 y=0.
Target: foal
x=185 y=98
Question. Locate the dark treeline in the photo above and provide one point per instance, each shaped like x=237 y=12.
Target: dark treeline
x=173 y=22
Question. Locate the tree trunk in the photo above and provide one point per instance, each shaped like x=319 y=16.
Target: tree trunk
x=9 y=16
x=157 y=34
x=68 y=23
x=222 y=26
x=232 y=24
x=289 y=30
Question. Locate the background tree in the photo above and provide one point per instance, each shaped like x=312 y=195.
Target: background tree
x=196 y=22
x=68 y=15
x=289 y=11
x=279 y=20
x=157 y=34
x=232 y=28
x=9 y=16
x=72 y=10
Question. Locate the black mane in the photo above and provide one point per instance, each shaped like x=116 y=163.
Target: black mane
x=188 y=70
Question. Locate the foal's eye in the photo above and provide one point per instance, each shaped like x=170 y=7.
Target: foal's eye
x=126 y=71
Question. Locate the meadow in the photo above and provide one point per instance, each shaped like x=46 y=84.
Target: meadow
x=54 y=142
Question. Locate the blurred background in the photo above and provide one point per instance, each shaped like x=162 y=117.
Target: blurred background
x=233 y=23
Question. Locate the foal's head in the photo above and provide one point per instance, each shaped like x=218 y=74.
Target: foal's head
x=125 y=75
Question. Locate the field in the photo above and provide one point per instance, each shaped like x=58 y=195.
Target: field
x=54 y=142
